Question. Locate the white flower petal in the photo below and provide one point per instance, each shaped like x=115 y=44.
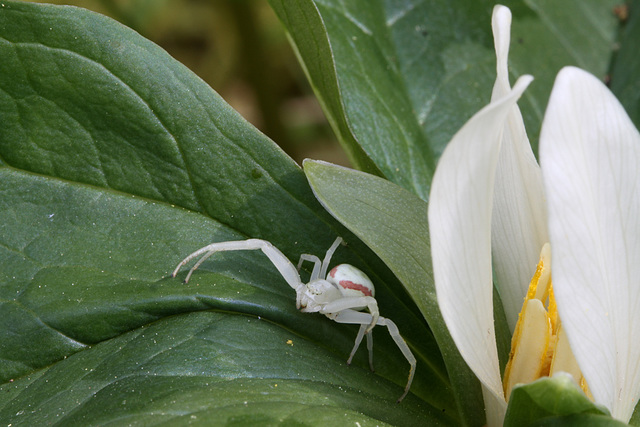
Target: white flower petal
x=501 y=27
x=495 y=408
x=460 y=207
x=519 y=227
x=590 y=156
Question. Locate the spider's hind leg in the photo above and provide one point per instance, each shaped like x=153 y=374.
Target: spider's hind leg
x=356 y=345
x=364 y=319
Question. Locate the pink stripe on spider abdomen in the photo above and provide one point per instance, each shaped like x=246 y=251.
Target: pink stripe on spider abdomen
x=348 y=284
x=340 y=275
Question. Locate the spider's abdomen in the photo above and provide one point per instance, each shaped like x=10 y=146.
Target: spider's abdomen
x=351 y=281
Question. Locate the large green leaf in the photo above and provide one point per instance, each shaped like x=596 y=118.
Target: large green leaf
x=190 y=369
x=399 y=78
x=393 y=222
x=555 y=401
x=115 y=163
x=549 y=35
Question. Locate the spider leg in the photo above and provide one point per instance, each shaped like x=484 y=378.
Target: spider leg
x=327 y=257
x=316 y=265
x=277 y=258
x=320 y=268
x=361 y=333
x=355 y=303
x=363 y=319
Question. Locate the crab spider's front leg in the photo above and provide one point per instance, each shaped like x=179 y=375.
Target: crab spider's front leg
x=363 y=319
x=277 y=258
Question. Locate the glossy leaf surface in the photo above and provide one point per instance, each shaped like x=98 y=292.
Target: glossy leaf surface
x=393 y=222
x=115 y=163
x=399 y=78
x=555 y=401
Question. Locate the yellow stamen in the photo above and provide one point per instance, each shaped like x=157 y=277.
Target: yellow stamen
x=528 y=356
x=539 y=346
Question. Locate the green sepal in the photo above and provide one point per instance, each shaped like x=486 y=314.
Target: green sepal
x=555 y=401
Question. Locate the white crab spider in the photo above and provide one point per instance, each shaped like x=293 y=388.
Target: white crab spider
x=345 y=291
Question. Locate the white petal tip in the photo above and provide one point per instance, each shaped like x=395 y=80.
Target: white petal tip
x=501 y=27
x=501 y=15
x=522 y=83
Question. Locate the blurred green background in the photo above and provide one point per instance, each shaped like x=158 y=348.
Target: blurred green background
x=240 y=49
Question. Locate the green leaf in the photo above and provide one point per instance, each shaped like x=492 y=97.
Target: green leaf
x=345 y=49
x=393 y=223
x=115 y=163
x=105 y=275
x=189 y=369
x=549 y=35
x=625 y=72
x=400 y=78
x=302 y=18
x=555 y=401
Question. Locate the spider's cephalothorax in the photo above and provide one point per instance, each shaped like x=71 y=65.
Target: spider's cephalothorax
x=341 y=296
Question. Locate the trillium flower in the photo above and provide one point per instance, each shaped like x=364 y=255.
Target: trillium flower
x=564 y=238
